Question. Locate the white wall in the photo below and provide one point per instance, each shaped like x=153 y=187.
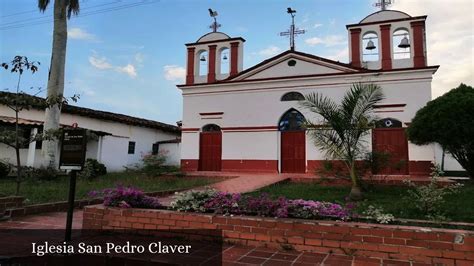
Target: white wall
x=257 y=104
x=114 y=153
x=173 y=153
x=450 y=164
x=250 y=145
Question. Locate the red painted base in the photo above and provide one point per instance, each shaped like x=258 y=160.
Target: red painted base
x=188 y=165
x=264 y=166
x=419 y=167
x=334 y=167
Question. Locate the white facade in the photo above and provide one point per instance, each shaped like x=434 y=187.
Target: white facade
x=247 y=107
x=110 y=149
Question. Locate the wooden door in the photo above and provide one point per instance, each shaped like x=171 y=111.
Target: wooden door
x=210 y=151
x=293 y=152
x=392 y=141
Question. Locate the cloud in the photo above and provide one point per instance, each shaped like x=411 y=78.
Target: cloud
x=317 y=25
x=450 y=41
x=341 y=55
x=80 y=34
x=328 y=41
x=102 y=64
x=128 y=69
x=174 y=73
x=269 y=51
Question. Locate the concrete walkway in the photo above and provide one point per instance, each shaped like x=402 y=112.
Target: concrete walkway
x=241 y=183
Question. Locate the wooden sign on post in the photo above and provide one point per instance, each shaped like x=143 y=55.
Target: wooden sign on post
x=72 y=157
x=73 y=149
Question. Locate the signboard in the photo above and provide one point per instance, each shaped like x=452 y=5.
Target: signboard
x=73 y=149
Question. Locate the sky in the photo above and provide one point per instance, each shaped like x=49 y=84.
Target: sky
x=126 y=56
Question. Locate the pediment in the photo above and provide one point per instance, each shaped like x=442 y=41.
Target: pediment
x=292 y=63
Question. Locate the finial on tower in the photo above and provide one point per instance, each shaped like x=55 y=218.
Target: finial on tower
x=383 y=4
x=293 y=31
x=214 y=26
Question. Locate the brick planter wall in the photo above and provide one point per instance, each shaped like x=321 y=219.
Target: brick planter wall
x=16 y=210
x=11 y=202
x=428 y=245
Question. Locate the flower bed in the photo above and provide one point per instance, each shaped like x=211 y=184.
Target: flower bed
x=428 y=245
x=261 y=205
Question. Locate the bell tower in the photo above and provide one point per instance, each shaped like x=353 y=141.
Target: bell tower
x=388 y=39
x=214 y=56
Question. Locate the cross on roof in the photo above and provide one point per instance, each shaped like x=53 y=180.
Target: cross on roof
x=214 y=26
x=293 y=31
x=383 y=4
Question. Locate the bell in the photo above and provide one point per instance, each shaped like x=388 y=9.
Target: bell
x=370 y=45
x=404 y=43
x=203 y=58
x=225 y=57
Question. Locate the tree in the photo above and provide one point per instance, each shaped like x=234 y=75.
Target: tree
x=62 y=11
x=340 y=134
x=449 y=121
x=19 y=101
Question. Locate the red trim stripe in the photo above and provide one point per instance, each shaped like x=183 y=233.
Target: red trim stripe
x=309 y=76
x=389 y=111
x=296 y=86
x=250 y=128
x=379 y=106
x=212 y=113
x=189 y=129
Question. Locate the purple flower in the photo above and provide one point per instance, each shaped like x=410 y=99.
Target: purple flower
x=127 y=197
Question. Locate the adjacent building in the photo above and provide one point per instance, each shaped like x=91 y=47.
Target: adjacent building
x=115 y=140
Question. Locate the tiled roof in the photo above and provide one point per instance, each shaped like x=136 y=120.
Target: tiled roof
x=103 y=115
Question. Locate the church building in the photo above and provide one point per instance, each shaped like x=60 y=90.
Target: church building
x=251 y=120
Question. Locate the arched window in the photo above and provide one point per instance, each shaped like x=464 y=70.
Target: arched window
x=401 y=44
x=370 y=46
x=292 y=96
x=291 y=120
x=203 y=59
x=388 y=123
x=211 y=128
x=225 y=59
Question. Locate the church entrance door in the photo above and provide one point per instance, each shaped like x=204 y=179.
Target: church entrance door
x=293 y=152
x=393 y=143
x=210 y=150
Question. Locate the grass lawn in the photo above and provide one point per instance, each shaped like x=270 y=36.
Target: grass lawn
x=458 y=207
x=50 y=191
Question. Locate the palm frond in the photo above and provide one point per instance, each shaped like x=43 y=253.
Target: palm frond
x=319 y=104
x=345 y=125
x=43 y=4
x=72 y=8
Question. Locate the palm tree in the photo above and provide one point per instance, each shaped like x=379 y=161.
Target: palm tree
x=344 y=126
x=62 y=11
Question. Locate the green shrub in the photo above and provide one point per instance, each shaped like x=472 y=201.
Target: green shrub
x=43 y=173
x=154 y=165
x=5 y=169
x=193 y=200
x=378 y=214
x=93 y=169
x=428 y=199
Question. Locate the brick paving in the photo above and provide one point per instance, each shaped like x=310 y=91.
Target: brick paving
x=236 y=255
x=50 y=220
